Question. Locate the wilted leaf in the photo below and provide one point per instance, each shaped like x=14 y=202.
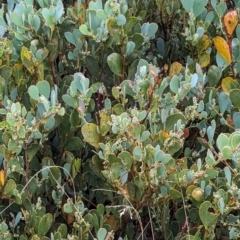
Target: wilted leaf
x=222 y=48
x=175 y=69
x=104 y=119
x=228 y=84
x=90 y=134
x=230 y=21
x=203 y=43
x=204 y=59
x=112 y=221
x=26 y=59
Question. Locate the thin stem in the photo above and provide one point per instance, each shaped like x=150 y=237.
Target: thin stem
x=52 y=69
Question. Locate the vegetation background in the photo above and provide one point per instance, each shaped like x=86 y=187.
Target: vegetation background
x=120 y=119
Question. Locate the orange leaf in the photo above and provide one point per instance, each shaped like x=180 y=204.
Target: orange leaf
x=230 y=21
x=2 y=178
x=175 y=69
x=229 y=121
x=165 y=134
x=222 y=48
x=203 y=43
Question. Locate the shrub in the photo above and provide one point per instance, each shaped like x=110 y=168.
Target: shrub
x=119 y=119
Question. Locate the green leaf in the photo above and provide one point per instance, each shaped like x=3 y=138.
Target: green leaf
x=137 y=153
x=227 y=152
x=126 y=159
x=33 y=92
x=174 y=84
x=175 y=194
x=223 y=102
x=208 y=218
x=9 y=187
x=234 y=96
x=68 y=100
x=91 y=61
x=121 y=20
x=101 y=14
x=114 y=61
x=199 y=7
x=187 y=4
x=222 y=141
x=100 y=209
x=84 y=30
x=138 y=39
x=131 y=22
x=235 y=140
x=214 y=74
x=95 y=5
x=130 y=47
x=45 y=224
x=36 y=22
x=47 y=15
x=236 y=120
x=90 y=134
x=172 y=120
x=6 y=72
x=228 y=174
x=32 y=150
x=63 y=230
x=44 y=88
x=73 y=144
x=49 y=124
x=69 y=37
x=16 y=19
x=74 y=118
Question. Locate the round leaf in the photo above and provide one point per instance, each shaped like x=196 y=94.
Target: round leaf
x=115 y=63
x=90 y=134
x=33 y=92
x=44 y=88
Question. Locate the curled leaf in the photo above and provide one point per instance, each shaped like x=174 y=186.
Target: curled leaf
x=222 y=48
x=203 y=43
x=204 y=59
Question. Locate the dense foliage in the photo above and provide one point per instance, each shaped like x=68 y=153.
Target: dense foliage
x=120 y=119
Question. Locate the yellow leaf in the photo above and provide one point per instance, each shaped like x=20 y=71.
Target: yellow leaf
x=40 y=72
x=104 y=119
x=90 y=134
x=203 y=43
x=27 y=59
x=230 y=21
x=204 y=59
x=175 y=69
x=2 y=178
x=228 y=84
x=222 y=48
